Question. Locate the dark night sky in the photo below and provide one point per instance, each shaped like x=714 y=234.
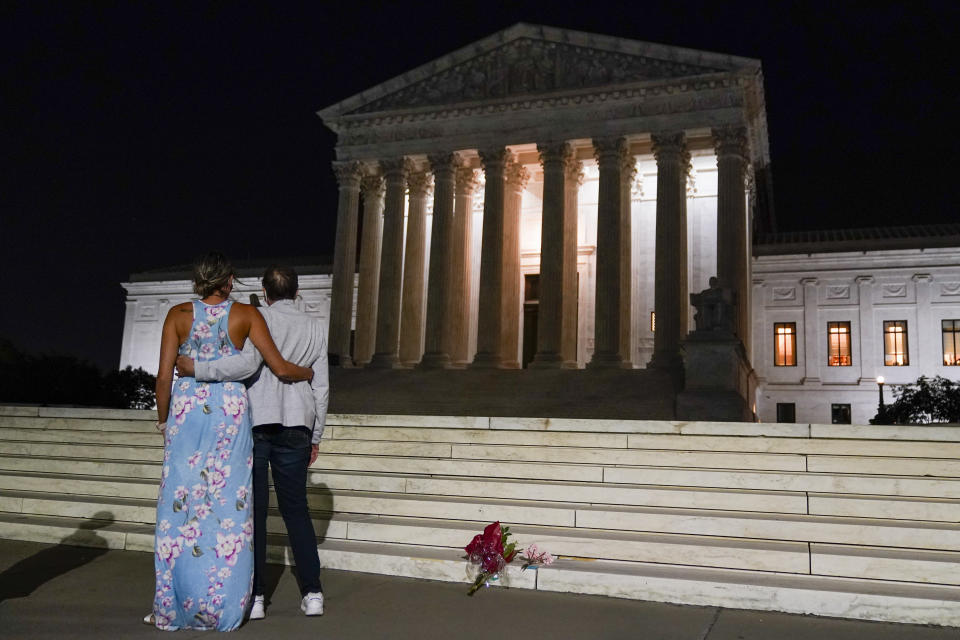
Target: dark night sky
x=139 y=135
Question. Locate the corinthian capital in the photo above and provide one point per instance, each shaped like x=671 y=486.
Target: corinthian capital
x=467 y=180
x=609 y=150
x=496 y=157
x=517 y=176
x=554 y=153
x=573 y=170
x=730 y=141
x=671 y=147
x=419 y=183
x=444 y=164
x=628 y=164
x=397 y=168
x=371 y=185
x=348 y=174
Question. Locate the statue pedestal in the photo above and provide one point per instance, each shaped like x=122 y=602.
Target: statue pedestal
x=719 y=382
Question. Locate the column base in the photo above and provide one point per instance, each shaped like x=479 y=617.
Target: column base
x=338 y=360
x=383 y=361
x=602 y=360
x=485 y=361
x=664 y=361
x=434 y=361
x=547 y=360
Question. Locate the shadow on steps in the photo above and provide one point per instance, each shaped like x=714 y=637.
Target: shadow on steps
x=555 y=393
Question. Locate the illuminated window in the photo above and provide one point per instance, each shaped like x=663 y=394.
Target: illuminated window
x=785 y=344
x=653 y=321
x=838 y=344
x=895 y=343
x=951 y=342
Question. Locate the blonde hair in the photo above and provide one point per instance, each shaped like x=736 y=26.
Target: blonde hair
x=211 y=274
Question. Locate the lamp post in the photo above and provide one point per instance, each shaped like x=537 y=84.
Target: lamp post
x=880 y=408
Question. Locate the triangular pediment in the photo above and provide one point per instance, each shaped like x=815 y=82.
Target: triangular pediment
x=530 y=60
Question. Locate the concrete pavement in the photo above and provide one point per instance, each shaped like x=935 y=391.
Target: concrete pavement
x=55 y=591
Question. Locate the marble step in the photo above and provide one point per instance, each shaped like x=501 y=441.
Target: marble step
x=803 y=446
x=90 y=451
x=81 y=436
x=670 y=549
x=543 y=471
x=932 y=509
x=928 y=567
x=653 y=458
x=788 y=481
x=79 y=423
x=853 y=531
x=890 y=601
x=800 y=528
x=758 y=555
x=101 y=478
x=733 y=589
x=731 y=444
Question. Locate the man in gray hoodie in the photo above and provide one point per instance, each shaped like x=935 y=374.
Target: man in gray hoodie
x=288 y=421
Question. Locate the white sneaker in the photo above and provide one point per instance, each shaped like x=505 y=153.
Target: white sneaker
x=312 y=604
x=258 y=611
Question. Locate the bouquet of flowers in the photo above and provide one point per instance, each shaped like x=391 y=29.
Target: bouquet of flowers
x=492 y=552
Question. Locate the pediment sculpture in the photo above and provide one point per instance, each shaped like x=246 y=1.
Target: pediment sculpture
x=530 y=66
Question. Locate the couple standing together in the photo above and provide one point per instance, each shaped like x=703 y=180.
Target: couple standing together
x=220 y=435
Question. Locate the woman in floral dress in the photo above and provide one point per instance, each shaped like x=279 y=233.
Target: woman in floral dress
x=204 y=534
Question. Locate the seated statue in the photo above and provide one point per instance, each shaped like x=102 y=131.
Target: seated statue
x=716 y=308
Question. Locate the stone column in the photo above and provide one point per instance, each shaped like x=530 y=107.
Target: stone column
x=344 y=261
x=516 y=178
x=437 y=349
x=460 y=266
x=812 y=344
x=606 y=351
x=391 y=264
x=489 y=322
x=670 y=278
x=573 y=173
x=371 y=188
x=628 y=172
x=553 y=157
x=732 y=232
x=414 y=270
x=869 y=359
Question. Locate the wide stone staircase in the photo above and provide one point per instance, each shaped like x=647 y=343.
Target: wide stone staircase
x=834 y=520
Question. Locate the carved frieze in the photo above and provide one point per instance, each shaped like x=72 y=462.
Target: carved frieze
x=950 y=288
x=784 y=294
x=894 y=291
x=529 y=66
x=838 y=292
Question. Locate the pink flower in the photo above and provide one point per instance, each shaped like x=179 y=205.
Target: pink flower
x=207 y=351
x=187 y=604
x=180 y=493
x=241 y=493
x=199 y=491
x=201 y=330
x=202 y=393
x=248 y=530
x=182 y=405
x=235 y=406
x=169 y=549
x=164 y=525
x=229 y=547
x=193 y=460
x=226 y=523
x=201 y=511
x=190 y=532
x=217 y=479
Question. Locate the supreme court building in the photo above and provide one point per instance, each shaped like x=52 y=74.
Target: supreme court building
x=546 y=199
x=551 y=160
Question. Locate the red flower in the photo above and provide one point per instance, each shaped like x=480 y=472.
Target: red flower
x=486 y=549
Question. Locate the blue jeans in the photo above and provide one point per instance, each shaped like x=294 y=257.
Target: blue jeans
x=287 y=451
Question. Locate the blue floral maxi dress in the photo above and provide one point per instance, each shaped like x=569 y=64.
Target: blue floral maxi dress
x=204 y=535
